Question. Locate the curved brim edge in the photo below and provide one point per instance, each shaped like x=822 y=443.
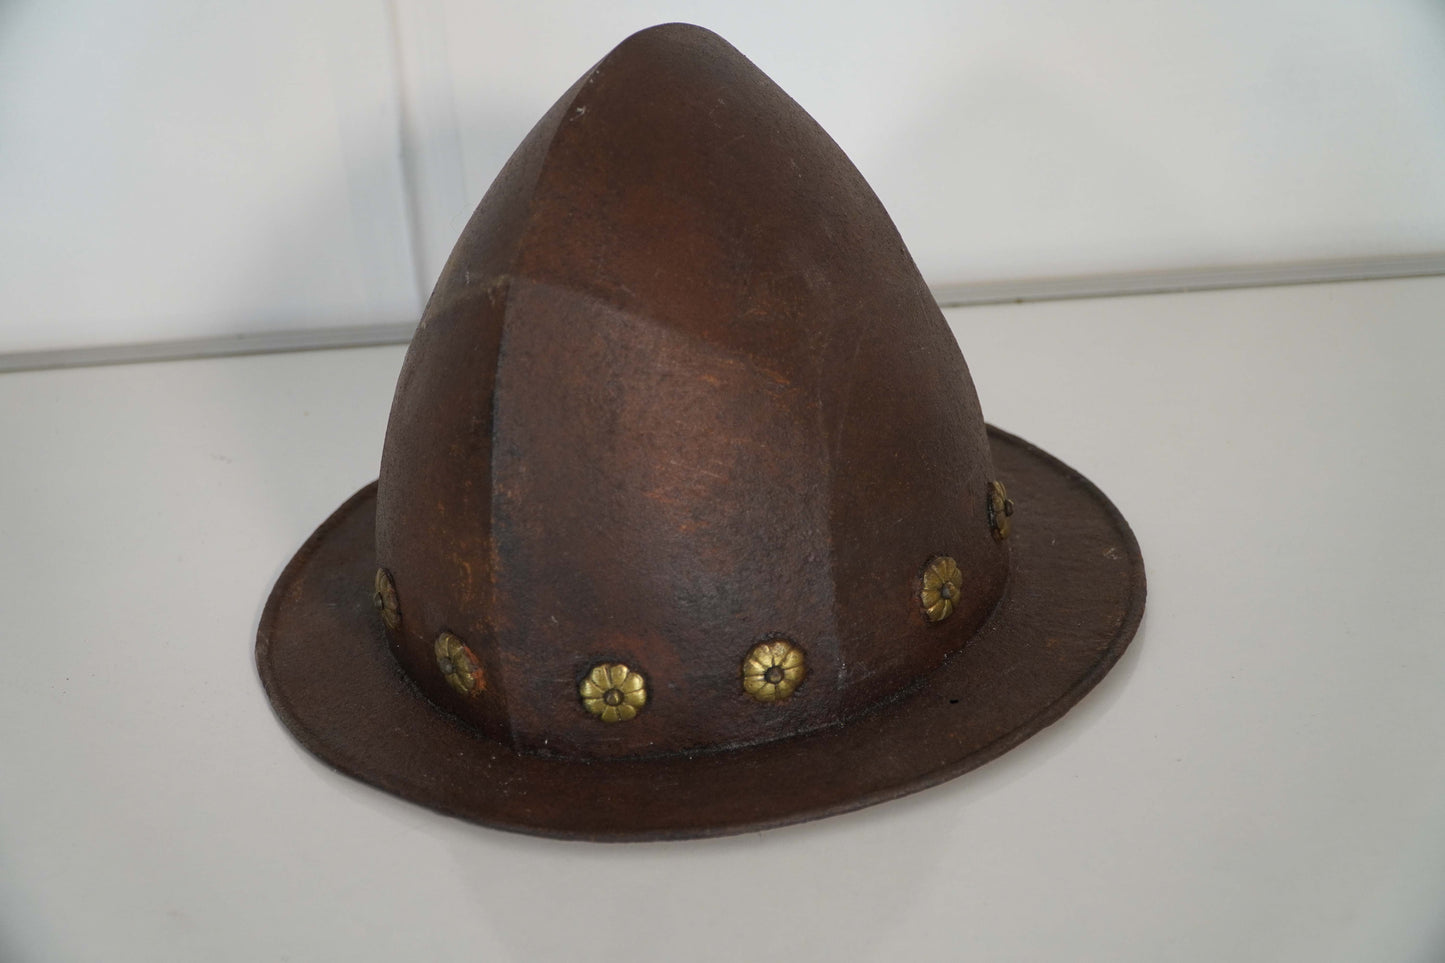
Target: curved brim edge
x=1075 y=599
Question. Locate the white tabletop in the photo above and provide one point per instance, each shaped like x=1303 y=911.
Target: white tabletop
x=1260 y=778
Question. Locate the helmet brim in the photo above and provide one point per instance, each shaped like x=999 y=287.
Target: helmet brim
x=1074 y=601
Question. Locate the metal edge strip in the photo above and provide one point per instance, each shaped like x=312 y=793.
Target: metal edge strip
x=1189 y=279
x=221 y=346
x=948 y=295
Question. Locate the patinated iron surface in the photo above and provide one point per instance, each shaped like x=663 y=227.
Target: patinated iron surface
x=1073 y=603
x=686 y=487
x=679 y=389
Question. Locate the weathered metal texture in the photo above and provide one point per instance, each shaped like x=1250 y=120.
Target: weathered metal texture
x=688 y=521
x=1074 y=601
x=681 y=389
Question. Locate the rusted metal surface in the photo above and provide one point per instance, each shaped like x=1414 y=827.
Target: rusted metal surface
x=682 y=403
x=681 y=387
x=1074 y=600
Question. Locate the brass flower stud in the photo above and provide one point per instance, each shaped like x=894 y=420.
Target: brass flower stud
x=1000 y=507
x=459 y=665
x=942 y=586
x=772 y=670
x=612 y=692
x=384 y=599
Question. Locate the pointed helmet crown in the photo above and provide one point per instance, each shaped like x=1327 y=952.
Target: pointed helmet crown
x=683 y=455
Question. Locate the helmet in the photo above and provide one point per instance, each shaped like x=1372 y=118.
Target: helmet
x=688 y=520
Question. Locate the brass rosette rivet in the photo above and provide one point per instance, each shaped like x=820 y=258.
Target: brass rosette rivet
x=1000 y=507
x=772 y=670
x=459 y=665
x=942 y=587
x=613 y=692
x=384 y=599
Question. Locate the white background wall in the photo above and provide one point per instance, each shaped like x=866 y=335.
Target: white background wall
x=178 y=169
x=171 y=168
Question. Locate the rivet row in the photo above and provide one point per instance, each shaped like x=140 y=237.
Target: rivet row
x=771 y=671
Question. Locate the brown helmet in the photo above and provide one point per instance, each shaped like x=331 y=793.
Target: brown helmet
x=688 y=520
